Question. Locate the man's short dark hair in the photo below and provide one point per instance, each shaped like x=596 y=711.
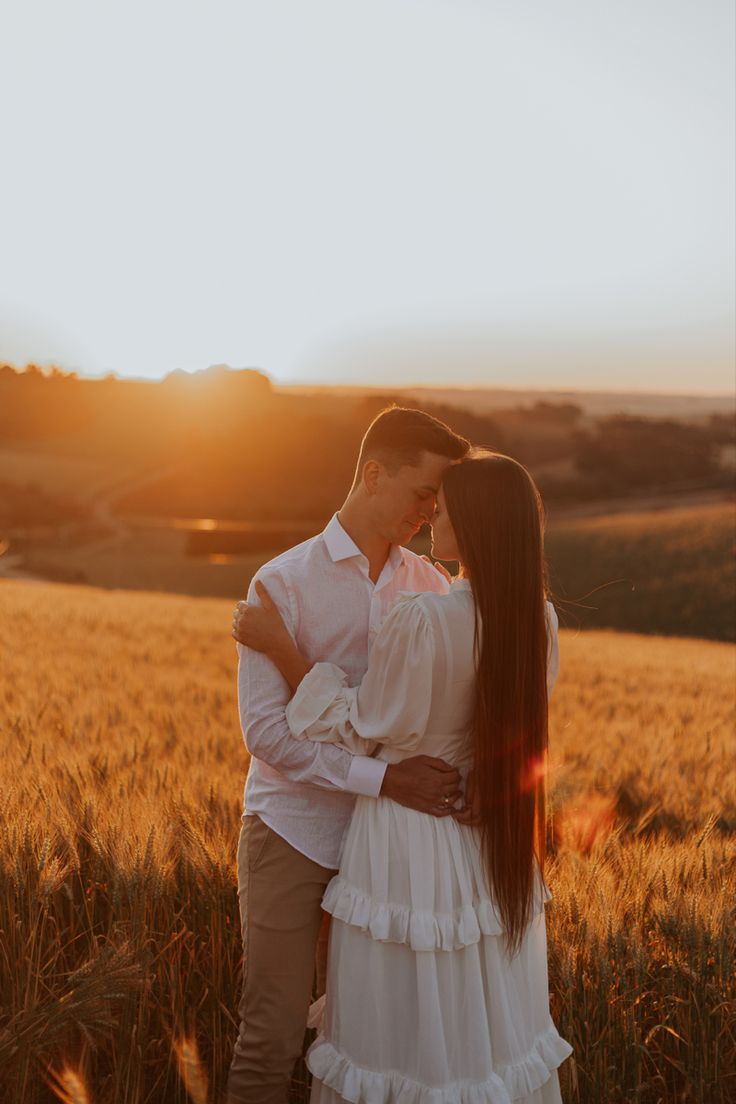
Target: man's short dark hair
x=398 y=436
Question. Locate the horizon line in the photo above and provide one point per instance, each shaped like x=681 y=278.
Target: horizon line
x=326 y=385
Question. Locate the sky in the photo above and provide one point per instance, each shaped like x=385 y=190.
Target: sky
x=440 y=192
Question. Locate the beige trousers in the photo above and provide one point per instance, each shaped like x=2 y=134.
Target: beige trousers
x=280 y=892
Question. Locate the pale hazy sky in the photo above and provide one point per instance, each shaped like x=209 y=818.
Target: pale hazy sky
x=388 y=191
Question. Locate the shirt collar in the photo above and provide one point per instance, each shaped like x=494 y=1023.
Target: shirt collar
x=397 y=555
x=341 y=546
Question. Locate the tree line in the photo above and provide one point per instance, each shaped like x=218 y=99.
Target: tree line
x=229 y=444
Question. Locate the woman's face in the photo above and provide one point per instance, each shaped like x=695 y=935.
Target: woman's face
x=444 y=543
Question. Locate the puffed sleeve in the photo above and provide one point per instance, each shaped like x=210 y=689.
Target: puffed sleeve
x=553 y=648
x=392 y=703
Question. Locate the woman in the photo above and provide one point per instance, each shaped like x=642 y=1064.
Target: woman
x=437 y=984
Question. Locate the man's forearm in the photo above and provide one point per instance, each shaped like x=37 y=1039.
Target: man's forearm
x=262 y=697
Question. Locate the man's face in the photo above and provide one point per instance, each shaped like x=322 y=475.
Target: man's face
x=407 y=500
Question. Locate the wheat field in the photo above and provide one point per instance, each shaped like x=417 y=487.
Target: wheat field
x=668 y=570
x=120 y=796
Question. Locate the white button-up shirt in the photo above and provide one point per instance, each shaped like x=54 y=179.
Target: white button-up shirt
x=301 y=789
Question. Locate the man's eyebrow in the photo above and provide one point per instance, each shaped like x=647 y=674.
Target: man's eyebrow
x=427 y=487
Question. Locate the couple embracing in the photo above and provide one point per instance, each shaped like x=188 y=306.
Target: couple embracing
x=397 y=726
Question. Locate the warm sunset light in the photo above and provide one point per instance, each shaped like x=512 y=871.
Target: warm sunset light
x=367 y=528
x=501 y=207
x=586 y=823
x=69 y=1086
x=191 y=1070
x=535 y=773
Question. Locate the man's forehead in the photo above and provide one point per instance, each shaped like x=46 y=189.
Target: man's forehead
x=429 y=471
x=433 y=462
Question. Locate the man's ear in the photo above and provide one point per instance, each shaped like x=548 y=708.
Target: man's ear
x=371 y=476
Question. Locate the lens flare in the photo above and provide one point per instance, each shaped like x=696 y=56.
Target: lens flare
x=191 y=1069
x=68 y=1086
x=586 y=824
x=534 y=773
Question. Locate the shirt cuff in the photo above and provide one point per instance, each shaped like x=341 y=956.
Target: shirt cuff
x=365 y=776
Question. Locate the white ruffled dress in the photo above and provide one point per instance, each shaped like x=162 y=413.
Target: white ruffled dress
x=423 y=1005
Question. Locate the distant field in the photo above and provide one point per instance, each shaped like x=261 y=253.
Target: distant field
x=121 y=783
x=59 y=473
x=147 y=559
x=669 y=571
x=489 y=400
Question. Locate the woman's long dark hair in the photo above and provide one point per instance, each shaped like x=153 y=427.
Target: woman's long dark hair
x=496 y=512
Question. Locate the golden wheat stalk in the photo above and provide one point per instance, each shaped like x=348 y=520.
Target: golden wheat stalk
x=68 y=1085
x=191 y=1069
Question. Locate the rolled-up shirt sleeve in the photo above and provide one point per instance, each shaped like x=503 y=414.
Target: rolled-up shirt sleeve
x=263 y=695
x=392 y=703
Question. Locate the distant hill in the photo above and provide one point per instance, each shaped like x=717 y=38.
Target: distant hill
x=593 y=404
x=229 y=444
x=669 y=572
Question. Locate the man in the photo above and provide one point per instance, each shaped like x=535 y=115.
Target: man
x=333 y=592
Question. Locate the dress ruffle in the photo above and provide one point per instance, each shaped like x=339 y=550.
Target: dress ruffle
x=508 y=1083
x=388 y=922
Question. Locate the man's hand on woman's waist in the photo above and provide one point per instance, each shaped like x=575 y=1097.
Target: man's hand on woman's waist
x=424 y=783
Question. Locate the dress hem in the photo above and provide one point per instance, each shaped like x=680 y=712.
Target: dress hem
x=512 y=1082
